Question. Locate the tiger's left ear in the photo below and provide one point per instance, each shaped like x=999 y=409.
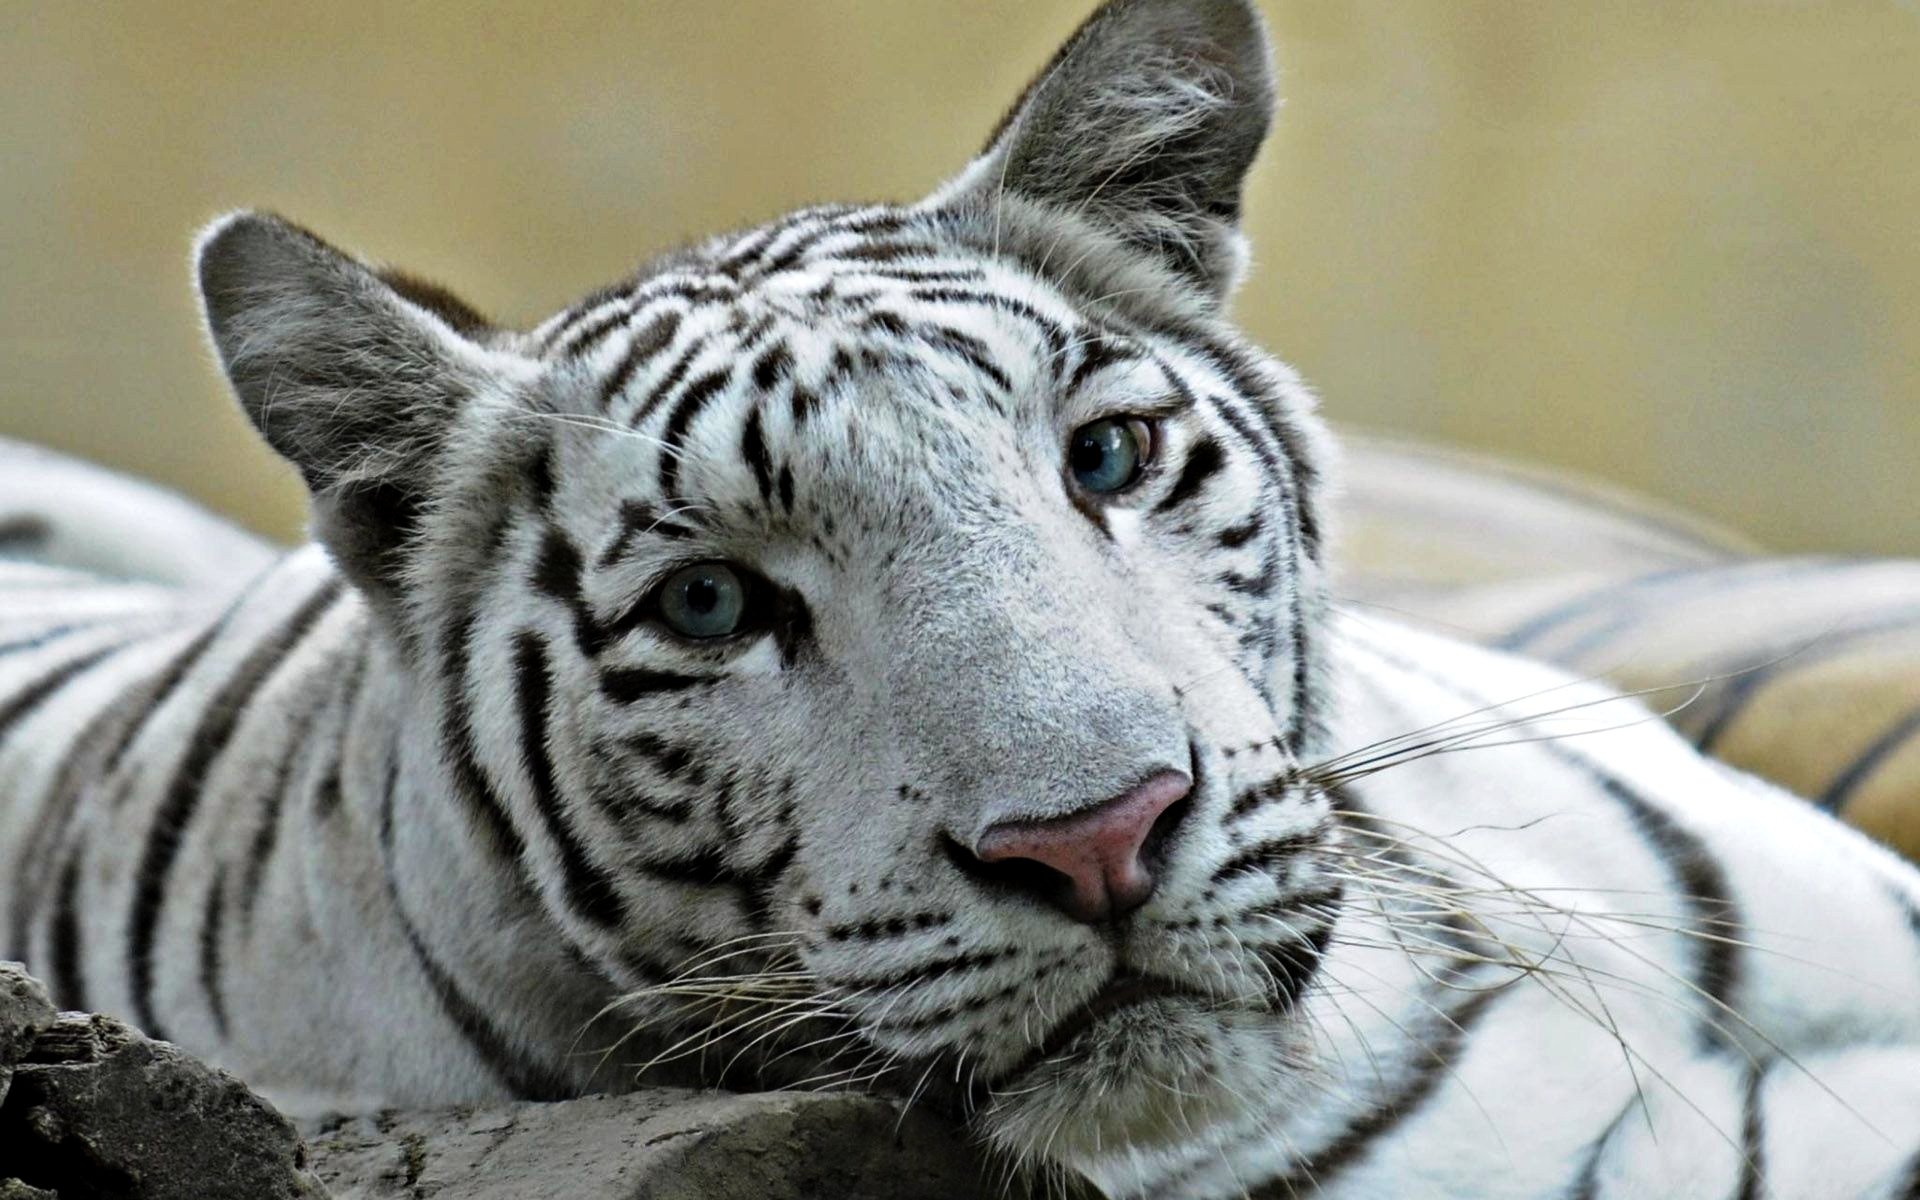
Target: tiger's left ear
x=1145 y=123
x=356 y=378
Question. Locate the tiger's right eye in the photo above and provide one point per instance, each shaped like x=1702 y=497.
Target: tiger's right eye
x=1110 y=455
x=706 y=600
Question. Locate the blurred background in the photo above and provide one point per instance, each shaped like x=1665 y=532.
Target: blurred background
x=1675 y=246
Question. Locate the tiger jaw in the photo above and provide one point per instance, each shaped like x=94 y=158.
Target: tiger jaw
x=1152 y=1074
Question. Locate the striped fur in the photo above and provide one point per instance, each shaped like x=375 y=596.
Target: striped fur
x=436 y=810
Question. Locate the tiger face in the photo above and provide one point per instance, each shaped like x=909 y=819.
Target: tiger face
x=883 y=638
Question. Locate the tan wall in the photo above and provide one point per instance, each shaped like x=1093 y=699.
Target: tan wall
x=1676 y=244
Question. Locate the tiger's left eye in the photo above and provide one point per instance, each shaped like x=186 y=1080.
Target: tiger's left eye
x=1110 y=455
x=706 y=600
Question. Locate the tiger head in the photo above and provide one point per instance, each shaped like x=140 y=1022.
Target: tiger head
x=884 y=640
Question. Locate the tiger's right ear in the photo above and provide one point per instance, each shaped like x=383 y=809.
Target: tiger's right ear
x=355 y=381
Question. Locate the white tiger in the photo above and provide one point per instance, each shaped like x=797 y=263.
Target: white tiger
x=890 y=648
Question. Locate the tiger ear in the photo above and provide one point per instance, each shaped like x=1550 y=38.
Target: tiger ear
x=353 y=380
x=1145 y=122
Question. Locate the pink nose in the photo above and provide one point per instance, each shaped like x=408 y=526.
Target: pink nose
x=1096 y=850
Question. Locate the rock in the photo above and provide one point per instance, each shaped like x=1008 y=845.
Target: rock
x=24 y=1012
x=660 y=1144
x=97 y=1110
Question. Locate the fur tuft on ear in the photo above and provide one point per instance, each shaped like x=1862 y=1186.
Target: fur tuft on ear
x=1145 y=124
x=355 y=382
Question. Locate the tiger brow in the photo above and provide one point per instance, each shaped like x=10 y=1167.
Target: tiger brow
x=648 y=518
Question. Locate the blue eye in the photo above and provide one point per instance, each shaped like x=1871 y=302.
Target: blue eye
x=1109 y=455
x=706 y=600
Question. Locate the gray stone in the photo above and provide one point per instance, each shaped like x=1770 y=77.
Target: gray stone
x=660 y=1144
x=24 y=1012
x=97 y=1110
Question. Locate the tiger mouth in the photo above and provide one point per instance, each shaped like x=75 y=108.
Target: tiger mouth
x=1125 y=990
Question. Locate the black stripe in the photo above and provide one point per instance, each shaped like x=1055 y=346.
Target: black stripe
x=476 y=794
x=1051 y=330
x=1101 y=352
x=1294 y=964
x=1586 y=1182
x=523 y=1080
x=1586 y=603
x=169 y=680
x=36 y=859
x=47 y=636
x=695 y=398
x=669 y=759
x=1907 y=1182
x=69 y=980
x=24 y=532
x=1703 y=888
x=629 y=685
x=1203 y=461
x=212 y=925
x=1242 y=371
x=1740 y=691
x=184 y=792
x=753 y=448
x=638 y=517
x=17 y=706
x=1235 y=536
x=1381 y=1119
x=585 y=338
x=1753 y=1158
x=591 y=889
x=556 y=574
x=300 y=720
x=970 y=348
x=674 y=374
x=772 y=367
x=1901 y=733
x=1702 y=884
x=1289 y=490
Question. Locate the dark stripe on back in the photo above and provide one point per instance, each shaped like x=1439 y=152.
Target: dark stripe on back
x=1586 y=1183
x=1907 y=1181
x=1753 y=1158
x=169 y=680
x=1703 y=888
x=69 y=983
x=16 y=707
x=184 y=790
x=1702 y=884
x=23 y=532
x=300 y=721
x=523 y=1080
x=1384 y=1117
x=212 y=926
x=1884 y=747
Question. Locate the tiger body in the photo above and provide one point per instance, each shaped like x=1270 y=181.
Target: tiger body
x=445 y=809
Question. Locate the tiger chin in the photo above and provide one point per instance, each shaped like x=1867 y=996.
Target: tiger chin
x=891 y=648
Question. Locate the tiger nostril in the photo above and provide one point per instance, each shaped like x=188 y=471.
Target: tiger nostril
x=1094 y=865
